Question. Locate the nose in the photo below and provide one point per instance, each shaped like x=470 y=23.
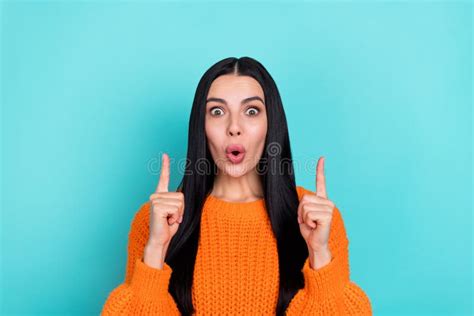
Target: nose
x=234 y=127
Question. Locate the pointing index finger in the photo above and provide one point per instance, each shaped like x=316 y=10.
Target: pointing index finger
x=321 y=179
x=165 y=174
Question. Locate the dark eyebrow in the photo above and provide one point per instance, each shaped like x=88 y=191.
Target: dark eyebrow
x=243 y=101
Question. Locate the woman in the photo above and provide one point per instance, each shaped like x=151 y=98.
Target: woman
x=238 y=236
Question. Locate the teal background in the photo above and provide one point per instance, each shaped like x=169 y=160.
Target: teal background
x=93 y=92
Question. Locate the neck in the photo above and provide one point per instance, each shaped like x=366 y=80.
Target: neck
x=245 y=188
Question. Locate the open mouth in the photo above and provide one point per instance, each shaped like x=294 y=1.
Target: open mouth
x=235 y=153
x=236 y=156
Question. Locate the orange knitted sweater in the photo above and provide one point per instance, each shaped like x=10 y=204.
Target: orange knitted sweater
x=236 y=270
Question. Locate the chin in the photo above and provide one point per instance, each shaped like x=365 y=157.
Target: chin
x=235 y=170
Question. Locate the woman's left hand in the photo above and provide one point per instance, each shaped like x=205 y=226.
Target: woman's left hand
x=315 y=217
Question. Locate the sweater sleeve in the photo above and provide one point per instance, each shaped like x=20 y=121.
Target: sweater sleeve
x=145 y=289
x=329 y=290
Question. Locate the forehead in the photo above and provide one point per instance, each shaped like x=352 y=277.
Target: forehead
x=235 y=87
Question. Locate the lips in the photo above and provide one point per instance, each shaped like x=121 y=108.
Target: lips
x=235 y=148
x=235 y=153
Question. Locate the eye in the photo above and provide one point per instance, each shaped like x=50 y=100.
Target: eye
x=253 y=110
x=215 y=110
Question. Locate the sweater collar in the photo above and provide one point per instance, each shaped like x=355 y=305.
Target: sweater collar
x=232 y=208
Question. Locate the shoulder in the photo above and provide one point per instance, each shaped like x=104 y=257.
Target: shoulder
x=302 y=190
x=139 y=227
x=142 y=214
x=338 y=229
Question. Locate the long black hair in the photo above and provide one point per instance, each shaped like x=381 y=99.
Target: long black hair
x=275 y=169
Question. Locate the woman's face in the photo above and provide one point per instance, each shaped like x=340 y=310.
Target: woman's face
x=236 y=115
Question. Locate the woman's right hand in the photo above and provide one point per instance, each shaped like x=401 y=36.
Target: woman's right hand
x=166 y=210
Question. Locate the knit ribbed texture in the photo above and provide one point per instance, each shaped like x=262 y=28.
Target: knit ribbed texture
x=236 y=270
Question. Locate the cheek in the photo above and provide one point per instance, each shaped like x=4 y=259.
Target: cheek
x=258 y=134
x=214 y=138
x=258 y=130
x=211 y=131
